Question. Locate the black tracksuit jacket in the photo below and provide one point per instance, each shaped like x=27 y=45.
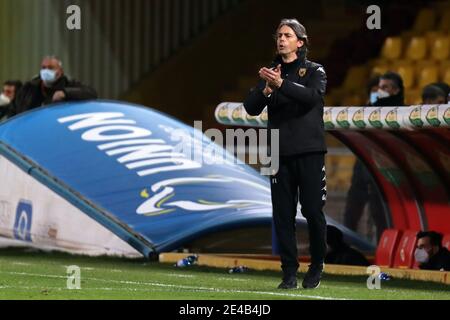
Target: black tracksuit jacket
x=296 y=108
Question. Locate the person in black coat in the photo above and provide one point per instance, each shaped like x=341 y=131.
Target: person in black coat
x=50 y=86
x=293 y=89
x=340 y=252
x=8 y=95
x=430 y=253
x=391 y=92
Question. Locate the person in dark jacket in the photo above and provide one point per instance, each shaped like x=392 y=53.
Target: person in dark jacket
x=430 y=253
x=9 y=91
x=340 y=252
x=293 y=89
x=432 y=94
x=363 y=189
x=51 y=86
x=391 y=92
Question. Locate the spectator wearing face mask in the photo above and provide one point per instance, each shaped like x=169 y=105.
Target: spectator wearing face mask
x=390 y=91
x=430 y=253
x=51 y=86
x=7 y=96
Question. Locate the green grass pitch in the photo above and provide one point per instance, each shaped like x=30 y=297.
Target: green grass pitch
x=27 y=274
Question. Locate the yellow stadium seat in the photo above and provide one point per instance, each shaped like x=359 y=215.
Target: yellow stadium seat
x=356 y=78
x=440 y=49
x=446 y=77
x=379 y=69
x=431 y=36
x=425 y=20
x=443 y=66
x=417 y=49
x=406 y=70
x=413 y=96
x=392 y=48
x=445 y=22
x=427 y=75
x=353 y=100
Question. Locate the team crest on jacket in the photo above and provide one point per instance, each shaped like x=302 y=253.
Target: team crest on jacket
x=302 y=72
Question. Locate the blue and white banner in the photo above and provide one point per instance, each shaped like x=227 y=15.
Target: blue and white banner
x=148 y=178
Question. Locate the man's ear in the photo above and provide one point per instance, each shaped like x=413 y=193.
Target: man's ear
x=300 y=43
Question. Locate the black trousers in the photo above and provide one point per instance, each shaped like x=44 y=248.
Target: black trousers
x=299 y=178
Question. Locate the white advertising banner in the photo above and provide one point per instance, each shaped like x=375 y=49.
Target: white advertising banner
x=32 y=213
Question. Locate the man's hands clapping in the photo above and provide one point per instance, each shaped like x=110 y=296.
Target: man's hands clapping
x=272 y=77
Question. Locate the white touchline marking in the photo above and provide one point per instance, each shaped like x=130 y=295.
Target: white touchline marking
x=178 y=275
x=232 y=279
x=184 y=287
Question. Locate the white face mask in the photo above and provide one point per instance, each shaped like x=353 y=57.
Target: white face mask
x=421 y=255
x=382 y=94
x=373 y=97
x=4 y=100
x=48 y=76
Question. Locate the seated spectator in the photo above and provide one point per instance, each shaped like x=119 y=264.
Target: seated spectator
x=391 y=91
x=9 y=90
x=430 y=253
x=341 y=253
x=444 y=87
x=432 y=94
x=51 y=86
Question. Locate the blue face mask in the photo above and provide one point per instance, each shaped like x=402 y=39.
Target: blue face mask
x=373 y=97
x=48 y=76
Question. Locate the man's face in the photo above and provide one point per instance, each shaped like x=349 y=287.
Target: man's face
x=9 y=91
x=388 y=86
x=424 y=243
x=287 y=41
x=52 y=64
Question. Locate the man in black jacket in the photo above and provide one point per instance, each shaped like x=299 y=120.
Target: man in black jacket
x=430 y=253
x=50 y=86
x=293 y=88
x=391 y=91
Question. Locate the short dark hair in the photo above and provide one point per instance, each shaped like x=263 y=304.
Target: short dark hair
x=373 y=82
x=431 y=92
x=435 y=237
x=444 y=87
x=396 y=78
x=300 y=32
x=15 y=83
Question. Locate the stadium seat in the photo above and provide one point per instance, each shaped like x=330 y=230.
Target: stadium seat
x=446 y=241
x=431 y=36
x=406 y=71
x=425 y=20
x=379 y=69
x=413 y=96
x=427 y=75
x=446 y=77
x=404 y=256
x=417 y=49
x=445 y=22
x=392 y=48
x=440 y=48
x=353 y=100
x=356 y=78
x=387 y=246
